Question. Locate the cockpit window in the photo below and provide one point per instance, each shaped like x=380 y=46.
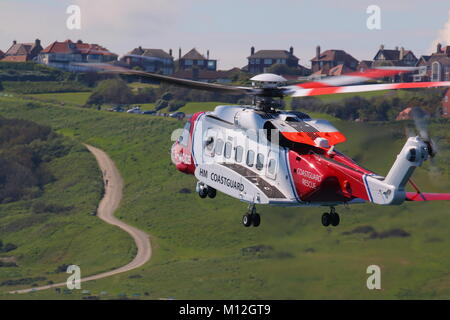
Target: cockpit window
x=209 y=143
x=184 y=138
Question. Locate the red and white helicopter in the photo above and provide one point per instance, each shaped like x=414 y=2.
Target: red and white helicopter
x=261 y=155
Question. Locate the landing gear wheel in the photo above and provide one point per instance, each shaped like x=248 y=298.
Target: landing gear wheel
x=326 y=219
x=256 y=219
x=247 y=220
x=212 y=192
x=203 y=192
x=335 y=219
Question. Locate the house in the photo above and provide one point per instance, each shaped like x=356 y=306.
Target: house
x=435 y=67
x=396 y=57
x=194 y=60
x=446 y=105
x=64 y=55
x=219 y=76
x=364 y=65
x=260 y=61
x=150 y=60
x=325 y=61
x=22 y=52
x=2 y=54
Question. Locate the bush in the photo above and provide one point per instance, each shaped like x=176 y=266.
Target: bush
x=25 y=150
x=175 y=105
x=112 y=91
x=161 y=104
x=9 y=247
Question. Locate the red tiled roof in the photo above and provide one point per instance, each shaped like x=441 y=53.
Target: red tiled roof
x=77 y=47
x=15 y=58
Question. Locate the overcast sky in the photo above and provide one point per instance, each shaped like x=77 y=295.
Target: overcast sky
x=229 y=28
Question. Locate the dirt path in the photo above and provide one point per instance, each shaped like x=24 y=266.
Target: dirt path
x=108 y=205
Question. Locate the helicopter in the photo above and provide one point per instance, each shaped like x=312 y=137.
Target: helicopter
x=262 y=155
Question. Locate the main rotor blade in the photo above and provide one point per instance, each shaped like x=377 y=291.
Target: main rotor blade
x=357 y=77
x=295 y=91
x=111 y=69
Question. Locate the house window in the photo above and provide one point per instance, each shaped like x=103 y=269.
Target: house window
x=436 y=71
x=200 y=62
x=188 y=62
x=250 y=158
x=267 y=61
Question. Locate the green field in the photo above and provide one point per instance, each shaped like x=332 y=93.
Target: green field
x=201 y=251
x=70 y=98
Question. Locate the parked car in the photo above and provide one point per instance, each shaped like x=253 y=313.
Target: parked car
x=135 y=110
x=149 y=112
x=178 y=115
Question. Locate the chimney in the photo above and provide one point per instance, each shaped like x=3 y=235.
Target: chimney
x=179 y=54
x=252 y=51
x=402 y=53
x=170 y=52
x=14 y=42
x=291 y=50
x=439 y=48
x=382 y=47
x=37 y=42
x=207 y=55
x=318 y=52
x=396 y=48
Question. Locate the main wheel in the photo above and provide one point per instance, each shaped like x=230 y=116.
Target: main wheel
x=212 y=192
x=256 y=219
x=203 y=192
x=247 y=220
x=326 y=219
x=335 y=219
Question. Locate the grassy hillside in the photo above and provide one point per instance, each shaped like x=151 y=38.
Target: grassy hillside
x=53 y=225
x=202 y=251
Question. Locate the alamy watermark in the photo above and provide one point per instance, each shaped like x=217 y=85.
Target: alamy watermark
x=374 y=280
x=374 y=20
x=74 y=281
x=74 y=20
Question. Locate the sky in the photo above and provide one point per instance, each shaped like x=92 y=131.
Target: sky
x=229 y=28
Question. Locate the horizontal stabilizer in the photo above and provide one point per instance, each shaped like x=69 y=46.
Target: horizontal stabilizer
x=414 y=196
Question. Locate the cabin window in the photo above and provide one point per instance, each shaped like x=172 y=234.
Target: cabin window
x=272 y=166
x=219 y=147
x=239 y=153
x=250 y=158
x=227 y=150
x=259 y=161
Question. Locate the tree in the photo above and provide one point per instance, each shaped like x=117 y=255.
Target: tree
x=113 y=91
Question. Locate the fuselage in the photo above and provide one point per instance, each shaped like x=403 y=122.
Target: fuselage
x=233 y=151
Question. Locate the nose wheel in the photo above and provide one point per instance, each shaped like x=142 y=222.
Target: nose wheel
x=331 y=218
x=251 y=217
